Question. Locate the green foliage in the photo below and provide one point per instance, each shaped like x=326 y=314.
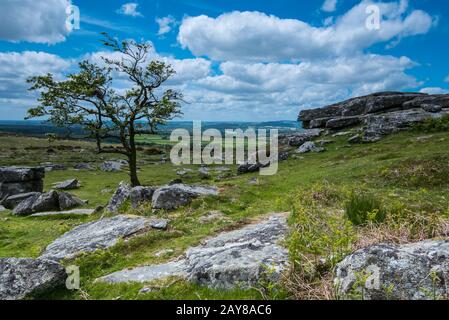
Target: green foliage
x=433 y=125
x=362 y=208
x=430 y=171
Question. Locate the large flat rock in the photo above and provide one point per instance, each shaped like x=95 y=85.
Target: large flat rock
x=177 y=195
x=21 y=174
x=233 y=258
x=416 y=271
x=75 y=212
x=99 y=234
x=21 y=278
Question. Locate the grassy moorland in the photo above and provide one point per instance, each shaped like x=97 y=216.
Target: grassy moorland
x=395 y=190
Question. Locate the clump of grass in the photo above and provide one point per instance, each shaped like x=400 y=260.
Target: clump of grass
x=433 y=125
x=418 y=173
x=362 y=208
x=319 y=239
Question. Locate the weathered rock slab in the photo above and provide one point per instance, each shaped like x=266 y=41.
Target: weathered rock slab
x=233 y=258
x=113 y=165
x=16 y=180
x=310 y=147
x=75 y=212
x=70 y=184
x=177 y=195
x=96 y=235
x=417 y=271
x=141 y=195
x=13 y=201
x=22 y=278
x=45 y=202
x=120 y=196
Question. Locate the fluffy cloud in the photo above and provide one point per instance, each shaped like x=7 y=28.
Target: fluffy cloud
x=166 y=24
x=130 y=9
x=434 y=90
x=34 y=21
x=255 y=36
x=329 y=5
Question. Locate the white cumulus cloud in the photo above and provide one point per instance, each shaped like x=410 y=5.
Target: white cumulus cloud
x=329 y=5
x=166 y=24
x=34 y=21
x=256 y=36
x=130 y=9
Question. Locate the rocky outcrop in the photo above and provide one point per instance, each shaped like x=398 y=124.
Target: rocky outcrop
x=233 y=258
x=414 y=271
x=22 y=278
x=174 y=196
x=297 y=139
x=99 y=234
x=380 y=113
x=15 y=180
x=50 y=201
x=120 y=196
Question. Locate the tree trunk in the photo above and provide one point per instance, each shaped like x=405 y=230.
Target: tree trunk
x=132 y=158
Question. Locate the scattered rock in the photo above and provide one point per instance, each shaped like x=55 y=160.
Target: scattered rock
x=96 y=235
x=177 y=195
x=140 y=195
x=120 y=196
x=310 y=147
x=83 y=166
x=16 y=180
x=183 y=172
x=416 y=271
x=13 y=201
x=68 y=185
x=2 y=208
x=253 y=181
x=46 y=202
x=22 y=278
x=53 y=167
x=234 y=258
x=113 y=165
x=254 y=164
x=75 y=212
x=204 y=172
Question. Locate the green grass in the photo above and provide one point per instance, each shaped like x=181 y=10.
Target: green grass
x=364 y=167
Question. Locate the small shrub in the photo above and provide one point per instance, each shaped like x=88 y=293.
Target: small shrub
x=433 y=125
x=364 y=208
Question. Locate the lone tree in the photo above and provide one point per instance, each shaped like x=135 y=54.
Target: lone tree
x=88 y=98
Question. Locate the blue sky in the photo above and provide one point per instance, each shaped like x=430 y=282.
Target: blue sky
x=237 y=60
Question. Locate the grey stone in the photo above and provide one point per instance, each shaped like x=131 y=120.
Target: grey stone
x=92 y=236
x=83 y=166
x=204 y=172
x=120 y=196
x=254 y=164
x=236 y=258
x=431 y=108
x=45 y=202
x=113 y=165
x=147 y=273
x=13 y=201
x=54 y=167
x=23 y=278
x=177 y=195
x=2 y=208
x=17 y=180
x=74 y=212
x=21 y=174
x=297 y=139
x=68 y=185
x=343 y=122
x=141 y=195
x=417 y=271
x=310 y=147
